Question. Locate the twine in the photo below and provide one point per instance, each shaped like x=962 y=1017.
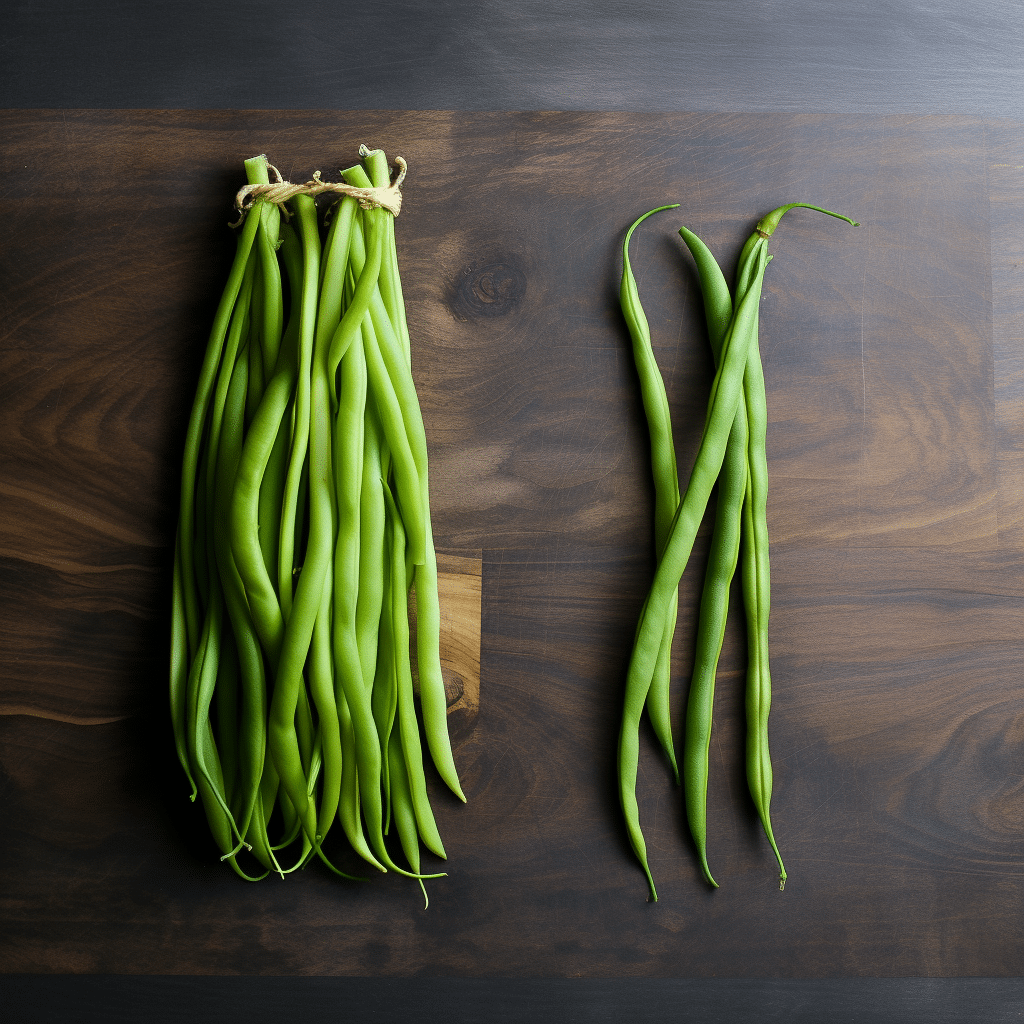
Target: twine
x=280 y=191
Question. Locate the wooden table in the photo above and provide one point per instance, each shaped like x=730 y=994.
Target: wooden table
x=893 y=362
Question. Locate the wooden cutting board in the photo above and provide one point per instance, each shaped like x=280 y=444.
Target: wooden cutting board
x=893 y=358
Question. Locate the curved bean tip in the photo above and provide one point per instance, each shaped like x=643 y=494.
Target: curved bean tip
x=640 y=220
x=770 y=222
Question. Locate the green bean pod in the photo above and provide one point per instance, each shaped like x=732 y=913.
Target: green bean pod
x=245 y=652
x=407 y=726
x=666 y=478
x=756 y=586
x=289 y=690
x=196 y=426
x=296 y=479
x=722 y=559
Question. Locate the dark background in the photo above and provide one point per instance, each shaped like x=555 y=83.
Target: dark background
x=912 y=114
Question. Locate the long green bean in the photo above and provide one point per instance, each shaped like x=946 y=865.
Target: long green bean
x=666 y=479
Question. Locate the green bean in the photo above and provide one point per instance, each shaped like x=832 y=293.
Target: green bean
x=722 y=559
x=370 y=595
x=272 y=325
x=756 y=587
x=726 y=392
x=226 y=707
x=257 y=381
x=289 y=689
x=296 y=474
x=257 y=837
x=666 y=479
x=403 y=463
x=217 y=816
x=407 y=726
x=256 y=503
x=348 y=480
x=321 y=684
x=271 y=486
x=349 y=808
x=245 y=532
x=404 y=815
x=202 y=683
x=332 y=284
x=196 y=424
x=179 y=667
x=756 y=581
x=226 y=683
x=393 y=412
x=384 y=692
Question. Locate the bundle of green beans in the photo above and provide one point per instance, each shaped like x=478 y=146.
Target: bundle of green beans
x=304 y=524
x=732 y=454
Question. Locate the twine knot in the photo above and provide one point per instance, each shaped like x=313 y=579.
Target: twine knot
x=280 y=191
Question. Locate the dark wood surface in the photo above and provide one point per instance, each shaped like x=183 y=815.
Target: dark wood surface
x=836 y=56
x=894 y=363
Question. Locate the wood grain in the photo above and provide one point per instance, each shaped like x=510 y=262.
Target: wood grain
x=870 y=56
x=892 y=364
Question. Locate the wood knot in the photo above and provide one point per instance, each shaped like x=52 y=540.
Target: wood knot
x=488 y=290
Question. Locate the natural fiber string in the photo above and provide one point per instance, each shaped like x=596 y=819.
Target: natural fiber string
x=280 y=191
